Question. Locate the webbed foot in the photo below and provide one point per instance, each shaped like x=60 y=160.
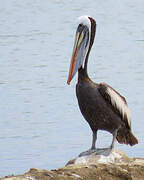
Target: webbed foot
x=88 y=152
x=99 y=151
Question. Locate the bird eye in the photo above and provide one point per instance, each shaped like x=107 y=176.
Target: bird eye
x=80 y=27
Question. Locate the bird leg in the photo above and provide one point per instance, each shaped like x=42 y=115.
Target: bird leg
x=100 y=151
x=94 y=140
x=113 y=140
x=93 y=148
x=107 y=151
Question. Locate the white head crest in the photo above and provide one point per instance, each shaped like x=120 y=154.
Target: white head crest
x=85 y=21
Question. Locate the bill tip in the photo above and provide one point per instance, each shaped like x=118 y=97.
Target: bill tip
x=68 y=82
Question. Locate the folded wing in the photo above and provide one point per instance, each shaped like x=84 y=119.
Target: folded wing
x=117 y=101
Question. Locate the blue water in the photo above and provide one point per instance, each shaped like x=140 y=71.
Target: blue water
x=40 y=122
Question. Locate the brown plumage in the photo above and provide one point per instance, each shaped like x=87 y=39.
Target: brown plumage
x=102 y=106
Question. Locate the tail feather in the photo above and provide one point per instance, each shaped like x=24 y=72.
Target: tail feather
x=125 y=136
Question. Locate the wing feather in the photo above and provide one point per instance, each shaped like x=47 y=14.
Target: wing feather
x=117 y=101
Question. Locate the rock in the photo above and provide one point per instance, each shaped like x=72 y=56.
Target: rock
x=116 y=166
x=115 y=157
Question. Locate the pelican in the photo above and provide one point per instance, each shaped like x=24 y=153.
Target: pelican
x=101 y=105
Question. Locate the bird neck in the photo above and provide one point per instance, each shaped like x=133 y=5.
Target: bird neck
x=93 y=31
x=86 y=61
x=82 y=74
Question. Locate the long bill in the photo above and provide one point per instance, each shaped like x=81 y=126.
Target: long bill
x=77 y=54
